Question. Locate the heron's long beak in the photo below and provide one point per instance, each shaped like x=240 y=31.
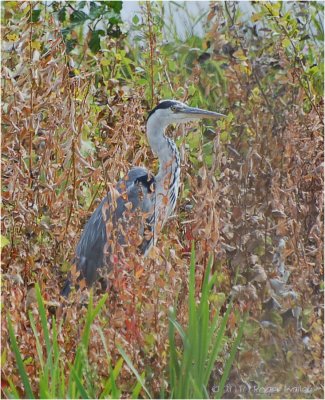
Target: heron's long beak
x=199 y=113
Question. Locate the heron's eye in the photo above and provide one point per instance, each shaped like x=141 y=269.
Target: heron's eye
x=173 y=108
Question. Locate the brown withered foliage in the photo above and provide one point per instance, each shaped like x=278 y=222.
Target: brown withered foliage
x=258 y=209
x=46 y=174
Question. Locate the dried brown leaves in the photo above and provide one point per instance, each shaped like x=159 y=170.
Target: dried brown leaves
x=258 y=208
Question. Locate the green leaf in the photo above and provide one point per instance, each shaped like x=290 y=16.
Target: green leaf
x=62 y=14
x=96 y=10
x=172 y=65
x=81 y=4
x=224 y=137
x=114 y=5
x=3 y=241
x=78 y=17
x=35 y=15
x=71 y=44
x=135 y=20
x=286 y=42
x=94 y=42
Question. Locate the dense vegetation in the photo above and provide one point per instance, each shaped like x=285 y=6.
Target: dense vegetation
x=77 y=85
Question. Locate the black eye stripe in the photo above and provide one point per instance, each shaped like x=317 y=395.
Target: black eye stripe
x=163 y=105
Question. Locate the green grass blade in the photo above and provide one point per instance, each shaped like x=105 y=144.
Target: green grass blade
x=62 y=387
x=14 y=393
x=196 y=391
x=179 y=329
x=71 y=384
x=231 y=358
x=204 y=317
x=205 y=284
x=116 y=372
x=174 y=368
x=190 y=351
x=118 y=367
x=79 y=386
x=116 y=393
x=131 y=366
x=91 y=315
x=38 y=343
x=217 y=343
x=42 y=313
x=102 y=337
x=203 y=343
x=56 y=359
x=78 y=365
x=83 y=345
x=19 y=361
x=213 y=325
x=113 y=376
x=88 y=321
x=191 y=294
x=43 y=388
x=136 y=391
x=45 y=378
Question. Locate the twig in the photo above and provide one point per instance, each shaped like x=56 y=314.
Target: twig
x=31 y=99
x=151 y=45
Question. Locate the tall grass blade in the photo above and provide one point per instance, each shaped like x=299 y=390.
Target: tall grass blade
x=112 y=378
x=81 y=354
x=136 y=391
x=231 y=358
x=131 y=366
x=56 y=360
x=19 y=361
x=204 y=317
x=38 y=343
x=14 y=393
x=45 y=377
x=116 y=393
x=42 y=313
x=217 y=344
x=174 y=368
x=179 y=329
x=190 y=370
x=79 y=385
x=196 y=390
x=190 y=352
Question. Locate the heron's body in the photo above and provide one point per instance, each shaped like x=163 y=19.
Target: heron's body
x=140 y=201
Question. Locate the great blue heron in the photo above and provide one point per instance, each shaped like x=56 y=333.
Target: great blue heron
x=140 y=200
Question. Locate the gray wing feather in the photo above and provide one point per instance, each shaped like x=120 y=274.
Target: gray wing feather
x=90 y=249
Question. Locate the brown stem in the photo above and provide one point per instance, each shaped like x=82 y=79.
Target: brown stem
x=151 y=45
x=31 y=99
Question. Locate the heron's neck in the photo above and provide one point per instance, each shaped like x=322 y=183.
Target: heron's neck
x=167 y=180
x=165 y=149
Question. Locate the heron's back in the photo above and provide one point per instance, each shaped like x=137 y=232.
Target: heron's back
x=93 y=250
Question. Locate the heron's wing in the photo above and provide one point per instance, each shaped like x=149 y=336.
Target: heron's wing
x=136 y=196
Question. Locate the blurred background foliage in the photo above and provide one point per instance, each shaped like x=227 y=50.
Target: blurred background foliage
x=77 y=84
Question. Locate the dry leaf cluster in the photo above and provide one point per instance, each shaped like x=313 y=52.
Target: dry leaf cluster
x=258 y=208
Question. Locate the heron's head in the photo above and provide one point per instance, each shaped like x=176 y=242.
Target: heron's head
x=173 y=112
